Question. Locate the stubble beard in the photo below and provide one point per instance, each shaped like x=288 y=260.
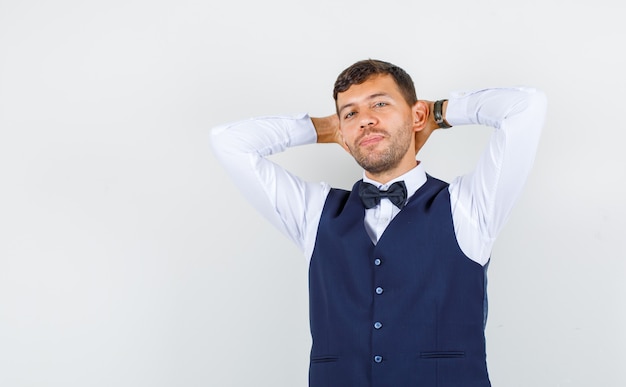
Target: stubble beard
x=378 y=161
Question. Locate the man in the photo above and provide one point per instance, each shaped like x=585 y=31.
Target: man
x=397 y=276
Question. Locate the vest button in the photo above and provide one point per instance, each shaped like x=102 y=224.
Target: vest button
x=378 y=359
x=377 y=262
x=378 y=325
x=379 y=290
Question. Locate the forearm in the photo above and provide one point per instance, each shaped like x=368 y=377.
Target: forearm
x=491 y=107
x=262 y=136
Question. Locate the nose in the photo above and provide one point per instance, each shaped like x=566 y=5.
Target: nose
x=367 y=120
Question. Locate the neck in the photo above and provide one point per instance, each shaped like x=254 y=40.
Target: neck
x=385 y=177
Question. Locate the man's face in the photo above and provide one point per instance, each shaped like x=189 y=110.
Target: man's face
x=376 y=123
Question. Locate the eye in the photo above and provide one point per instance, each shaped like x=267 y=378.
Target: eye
x=349 y=115
x=380 y=104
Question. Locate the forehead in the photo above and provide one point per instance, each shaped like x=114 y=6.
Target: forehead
x=377 y=84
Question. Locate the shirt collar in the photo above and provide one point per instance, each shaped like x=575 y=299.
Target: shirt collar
x=413 y=179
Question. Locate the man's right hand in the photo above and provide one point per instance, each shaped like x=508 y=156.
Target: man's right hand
x=327 y=129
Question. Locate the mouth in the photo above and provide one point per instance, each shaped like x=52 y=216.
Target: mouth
x=371 y=139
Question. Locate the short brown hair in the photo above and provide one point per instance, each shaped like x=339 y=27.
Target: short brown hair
x=362 y=70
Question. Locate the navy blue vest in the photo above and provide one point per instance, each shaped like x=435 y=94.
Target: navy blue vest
x=408 y=311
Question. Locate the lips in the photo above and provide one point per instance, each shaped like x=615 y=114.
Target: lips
x=371 y=139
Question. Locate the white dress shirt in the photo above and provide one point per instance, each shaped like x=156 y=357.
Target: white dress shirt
x=480 y=200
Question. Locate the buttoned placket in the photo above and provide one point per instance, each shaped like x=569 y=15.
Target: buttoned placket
x=384 y=214
x=377 y=325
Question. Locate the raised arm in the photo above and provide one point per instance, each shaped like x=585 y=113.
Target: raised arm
x=291 y=204
x=482 y=200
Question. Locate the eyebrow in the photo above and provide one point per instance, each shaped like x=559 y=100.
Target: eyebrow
x=373 y=96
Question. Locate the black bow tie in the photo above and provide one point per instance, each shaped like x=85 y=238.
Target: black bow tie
x=370 y=195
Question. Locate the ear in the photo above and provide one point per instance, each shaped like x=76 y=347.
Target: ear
x=420 y=114
x=422 y=125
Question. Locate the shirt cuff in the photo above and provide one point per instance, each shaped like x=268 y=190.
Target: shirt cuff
x=457 y=109
x=302 y=130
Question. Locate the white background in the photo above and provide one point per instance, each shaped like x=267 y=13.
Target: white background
x=127 y=258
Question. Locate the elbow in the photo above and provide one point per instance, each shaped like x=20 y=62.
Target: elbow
x=219 y=141
x=537 y=107
x=538 y=101
x=531 y=102
x=230 y=144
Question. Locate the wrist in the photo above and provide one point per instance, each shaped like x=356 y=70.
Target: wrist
x=439 y=113
x=327 y=128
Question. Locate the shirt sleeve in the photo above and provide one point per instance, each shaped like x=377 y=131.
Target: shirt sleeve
x=291 y=204
x=482 y=199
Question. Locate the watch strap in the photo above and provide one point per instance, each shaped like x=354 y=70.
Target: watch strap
x=438 y=115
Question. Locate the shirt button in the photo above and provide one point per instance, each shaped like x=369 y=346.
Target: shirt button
x=378 y=325
x=379 y=290
x=378 y=359
x=377 y=262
